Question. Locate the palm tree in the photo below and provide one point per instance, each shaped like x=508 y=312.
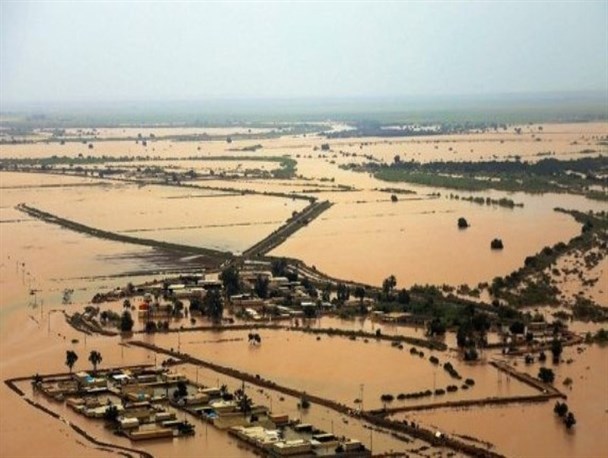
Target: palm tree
x=95 y=358
x=70 y=359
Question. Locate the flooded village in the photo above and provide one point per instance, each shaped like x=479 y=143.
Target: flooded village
x=306 y=229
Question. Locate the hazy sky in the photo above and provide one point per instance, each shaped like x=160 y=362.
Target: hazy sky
x=111 y=51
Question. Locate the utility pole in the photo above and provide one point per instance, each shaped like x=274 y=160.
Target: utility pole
x=361 y=395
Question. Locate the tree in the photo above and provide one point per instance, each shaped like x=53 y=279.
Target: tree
x=126 y=304
x=111 y=414
x=310 y=311
x=463 y=335
x=95 y=359
x=178 y=307
x=546 y=375
x=529 y=337
x=470 y=354
x=126 y=321
x=151 y=327
x=462 y=223
x=254 y=338
x=231 y=280
x=278 y=267
x=570 y=421
x=435 y=327
x=556 y=350
x=480 y=322
x=394 y=198
x=70 y=359
x=213 y=305
x=182 y=390
x=325 y=294
x=196 y=303
x=261 y=286
x=561 y=408
x=343 y=292
x=359 y=293
x=517 y=327
x=496 y=244
x=403 y=297
x=387 y=286
x=243 y=401
x=397 y=159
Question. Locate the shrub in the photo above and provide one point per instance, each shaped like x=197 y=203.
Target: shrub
x=496 y=244
x=546 y=375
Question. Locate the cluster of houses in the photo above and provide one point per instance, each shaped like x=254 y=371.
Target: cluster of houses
x=298 y=439
x=142 y=402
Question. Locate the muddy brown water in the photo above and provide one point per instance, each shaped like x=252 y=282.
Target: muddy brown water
x=534 y=430
x=363 y=236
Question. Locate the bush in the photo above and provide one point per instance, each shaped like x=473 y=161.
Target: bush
x=387 y=398
x=496 y=244
x=471 y=355
x=569 y=421
x=546 y=375
x=561 y=408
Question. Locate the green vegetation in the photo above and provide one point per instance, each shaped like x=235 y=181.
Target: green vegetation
x=111 y=415
x=574 y=176
x=546 y=375
x=532 y=284
x=561 y=409
x=231 y=280
x=496 y=244
x=126 y=321
x=600 y=337
x=70 y=359
x=286 y=170
x=213 y=305
x=502 y=202
x=95 y=359
x=556 y=350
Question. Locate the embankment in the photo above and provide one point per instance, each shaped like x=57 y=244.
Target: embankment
x=212 y=257
x=296 y=222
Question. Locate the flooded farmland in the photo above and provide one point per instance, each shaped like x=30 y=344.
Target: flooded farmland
x=303 y=229
x=364 y=237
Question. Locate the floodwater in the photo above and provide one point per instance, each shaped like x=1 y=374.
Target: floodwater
x=533 y=429
x=191 y=217
x=363 y=236
x=419 y=242
x=292 y=359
